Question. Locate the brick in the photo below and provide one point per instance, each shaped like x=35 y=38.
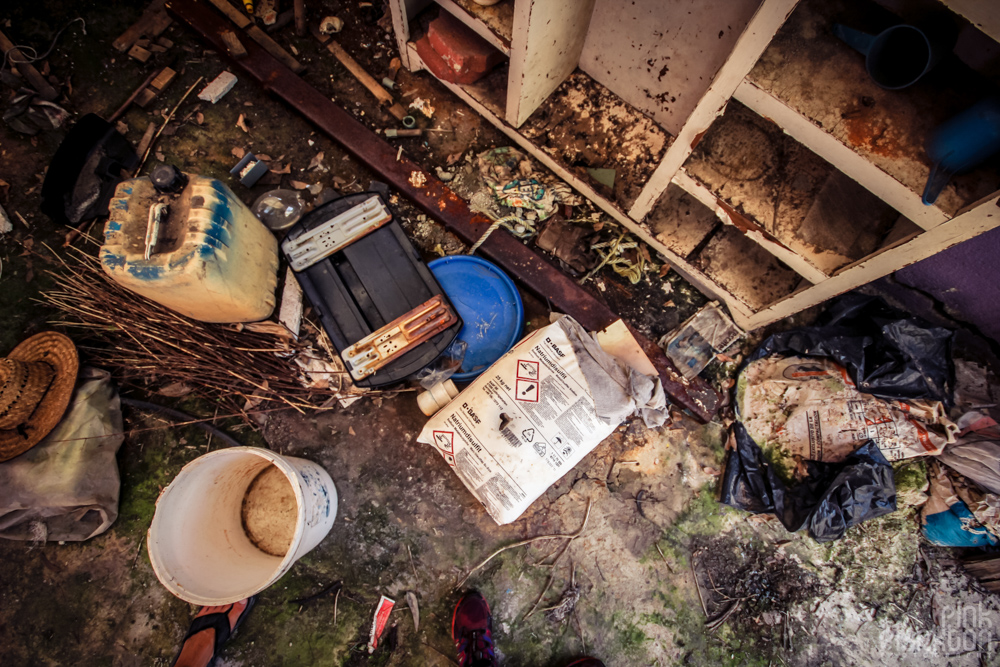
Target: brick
x=216 y=90
x=467 y=56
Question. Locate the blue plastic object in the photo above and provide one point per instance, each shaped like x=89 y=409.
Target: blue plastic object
x=898 y=56
x=954 y=528
x=961 y=143
x=489 y=305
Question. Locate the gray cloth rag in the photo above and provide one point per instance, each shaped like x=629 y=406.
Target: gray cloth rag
x=618 y=389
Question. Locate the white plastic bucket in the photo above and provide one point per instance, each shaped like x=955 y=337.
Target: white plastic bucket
x=197 y=543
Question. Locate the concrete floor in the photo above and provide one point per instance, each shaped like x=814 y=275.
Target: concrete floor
x=405 y=522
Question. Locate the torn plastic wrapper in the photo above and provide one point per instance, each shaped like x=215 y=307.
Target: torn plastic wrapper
x=833 y=497
x=379 y=622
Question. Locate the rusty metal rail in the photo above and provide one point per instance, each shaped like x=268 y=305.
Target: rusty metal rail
x=432 y=196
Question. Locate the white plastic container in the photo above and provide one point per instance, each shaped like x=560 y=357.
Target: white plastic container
x=208 y=257
x=197 y=543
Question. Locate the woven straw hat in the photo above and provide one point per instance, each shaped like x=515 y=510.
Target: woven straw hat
x=36 y=383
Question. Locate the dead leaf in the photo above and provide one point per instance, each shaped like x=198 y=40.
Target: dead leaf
x=645 y=253
x=175 y=390
x=160 y=156
x=265 y=158
x=724 y=358
x=242 y=124
x=199 y=118
x=664 y=270
x=350 y=429
x=257 y=397
x=29 y=273
x=316 y=162
x=238 y=153
x=298 y=185
x=453 y=158
x=286 y=169
x=122 y=127
x=411 y=601
x=599 y=225
x=670 y=304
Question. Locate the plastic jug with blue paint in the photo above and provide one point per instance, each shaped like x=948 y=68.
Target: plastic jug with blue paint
x=187 y=242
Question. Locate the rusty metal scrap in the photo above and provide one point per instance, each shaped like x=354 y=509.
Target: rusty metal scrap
x=440 y=203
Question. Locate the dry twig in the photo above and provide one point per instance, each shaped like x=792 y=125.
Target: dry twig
x=570 y=537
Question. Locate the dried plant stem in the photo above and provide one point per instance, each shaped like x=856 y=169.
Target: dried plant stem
x=570 y=537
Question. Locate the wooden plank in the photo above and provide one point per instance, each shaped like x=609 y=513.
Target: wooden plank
x=480 y=26
x=498 y=18
x=402 y=12
x=889 y=128
x=984 y=216
x=824 y=144
x=981 y=13
x=27 y=70
x=548 y=39
x=125 y=41
x=751 y=43
x=233 y=44
x=243 y=21
x=661 y=57
x=750 y=229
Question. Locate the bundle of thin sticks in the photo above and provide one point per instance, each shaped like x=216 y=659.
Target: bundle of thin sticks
x=149 y=344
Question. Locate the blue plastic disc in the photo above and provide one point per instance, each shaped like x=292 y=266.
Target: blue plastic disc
x=488 y=304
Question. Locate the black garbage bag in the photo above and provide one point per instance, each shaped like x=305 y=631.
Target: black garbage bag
x=888 y=353
x=832 y=498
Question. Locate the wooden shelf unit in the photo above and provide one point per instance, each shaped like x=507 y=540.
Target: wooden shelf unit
x=833 y=199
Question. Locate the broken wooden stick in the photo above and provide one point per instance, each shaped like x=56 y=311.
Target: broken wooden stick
x=256 y=34
x=359 y=73
x=569 y=536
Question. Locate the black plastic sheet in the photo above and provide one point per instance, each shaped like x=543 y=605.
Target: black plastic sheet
x=888 y=354
x=832 y=498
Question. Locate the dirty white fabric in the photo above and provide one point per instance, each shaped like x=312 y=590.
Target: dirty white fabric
x=533 y=415
x=66 y=487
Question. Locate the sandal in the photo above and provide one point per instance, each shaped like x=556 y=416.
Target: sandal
x=218 y=621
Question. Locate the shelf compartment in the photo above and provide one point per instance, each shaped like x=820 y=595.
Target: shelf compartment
x=488 y=96
x=745 y=270
x=583 y=124
x=494 y=24
x=810 y=72
x=788 y=193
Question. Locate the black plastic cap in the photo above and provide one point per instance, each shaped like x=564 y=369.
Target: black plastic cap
x=167 y=178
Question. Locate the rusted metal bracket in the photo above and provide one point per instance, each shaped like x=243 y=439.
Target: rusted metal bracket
x=440 y=203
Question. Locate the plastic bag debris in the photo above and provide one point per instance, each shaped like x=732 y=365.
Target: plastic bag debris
x=887 y=353
x=832 y=498
x=694 y=344
x=799 y=408
x=958 y=514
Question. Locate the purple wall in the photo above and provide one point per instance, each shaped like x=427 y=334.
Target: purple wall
x=966 y=279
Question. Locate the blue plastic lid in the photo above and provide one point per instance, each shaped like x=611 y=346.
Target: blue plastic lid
x=489 y=305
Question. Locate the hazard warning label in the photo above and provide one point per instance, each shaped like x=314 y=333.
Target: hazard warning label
x=445 y=441
x=527 y=370
x=526 y=391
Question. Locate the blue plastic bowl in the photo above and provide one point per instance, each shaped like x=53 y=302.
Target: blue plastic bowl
x=489 y=305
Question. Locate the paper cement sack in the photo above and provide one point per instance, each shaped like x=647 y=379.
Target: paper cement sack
x=529 y=418
x=809 y=409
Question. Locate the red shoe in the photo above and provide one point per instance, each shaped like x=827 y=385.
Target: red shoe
x=472 y=631
x=586 y=662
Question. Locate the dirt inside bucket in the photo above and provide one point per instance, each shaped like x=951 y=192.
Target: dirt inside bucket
x=270 y=511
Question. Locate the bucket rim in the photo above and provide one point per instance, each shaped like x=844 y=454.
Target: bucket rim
x=161 y=570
